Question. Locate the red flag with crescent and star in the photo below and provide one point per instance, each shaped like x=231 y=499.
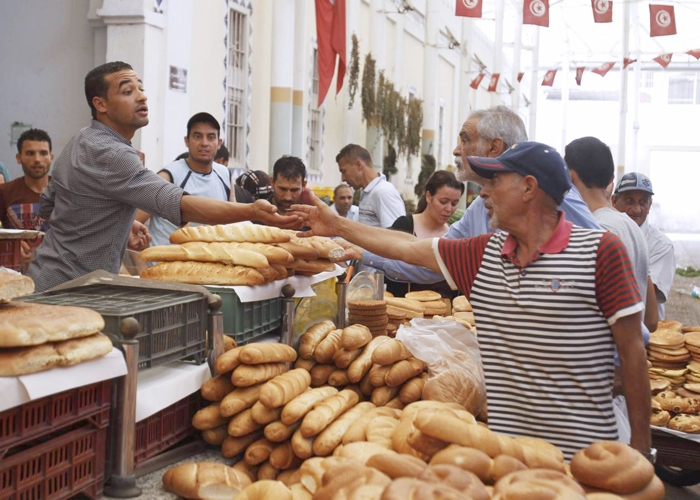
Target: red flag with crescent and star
x=579 y=74
x=662 y=20
x=602 y=11
x=548 y=79
x=468 y=8
x=330 y=33
x=493 y=83
x=627 y=61
x=520 y=76
x=603 y=69
x=536 y=12
x=664 y=59
x=695 y=53
x=476 y=81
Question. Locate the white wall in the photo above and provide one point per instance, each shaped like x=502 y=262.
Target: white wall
x=46 y=49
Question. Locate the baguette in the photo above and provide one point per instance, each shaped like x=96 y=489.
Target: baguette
x=239 y=400
x=332 y=436
x=229 y=253
x=290 y=477
x=251 y=472
x=283 y=458
x=263 y=489
x=229 y=343
x=269 y=273
x=390 y=352
x=411 y=391
x=320 y=373
x=403 y=371
x=310 y=267
x=283 y=388
x=365 y=386
x=247 y=375
x=342 y=357
x=363 y=363
x=273 y=254
x=208 y=418
x=267 y=352
x=327 y=248
x=325 y=350
x=278 y=432
x=230 y=232
x=357 y=431
x=258 y=451
x=266 y=472
x=216 y=388
x=449 y=428
x=281 y=271
x=228 y=361
x=395 y=404
x=314 y=469
x=204 y=273
x=327 y=411
x=313 y=336
x=300 y=251
x=338 y=378
x=424 y=445
x=215 y=436
x=306 y=364
x=355 y=336
x=396 y=466
x=377 y=374
x=232 y=446
x=303 y=447
x=382 y=395
x=263 y=415
x=204 y=480
x=361 y=452
x=380 y=430
x=303 y=403
x=299 y=492
x=243 y=424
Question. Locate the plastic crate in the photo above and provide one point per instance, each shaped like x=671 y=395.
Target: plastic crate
x=173 y=323
x=37 y=418
x=166 y=428
x=247 y=321
x=58 y=468
x=11 y=254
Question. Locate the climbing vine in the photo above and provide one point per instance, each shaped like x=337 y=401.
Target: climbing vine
x=354 y=71
x=368 y=94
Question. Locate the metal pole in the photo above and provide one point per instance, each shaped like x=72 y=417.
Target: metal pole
x=622 y=131
x=287 y=335
x=498 y=49
x=517 y=45
x=216 y=330
x=534 y=85
x=341 y=291
x=122 y=484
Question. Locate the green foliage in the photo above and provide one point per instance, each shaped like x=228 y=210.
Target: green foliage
x=427 y=167
x=353 y=70
x=414 y=127
x=688 y=272
x=389 y=167
x=368 y=94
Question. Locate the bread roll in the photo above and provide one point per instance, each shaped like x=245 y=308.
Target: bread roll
x=208 y=417
x=403 y=371
x=314 y=469
x=454 y=386
x=377 y=374
x=232 y=446
x=228 y=361
x=243 y=424
x=239 y=400
x=365 y=385
x=263 y=415
x=250 y=471
x=411 y=391
x=230 y=232
x=299 y=492
x=303 y=447
x=382 y=395
x=215 y=436
x=216 y=388
x=355 y=336
x=363 y=363
x=361 y=452
x=342 y=357
x=229 y=343
x=267 y=472
x=325 y=350
x=229 y=253
x=380 y=430
x=320 y=373
x=290 y=477
x=449 y=428
x=267 y=352
x=247 y=375
x=204 y=480
x=264 y=489
x=258 y=452
x=27 y=324
x=332 y=436
x=306 y=364
x=283 y=388
x=278 y=432
x=358 y=482
x=13 y=285
x=303 y=403
x=310 y=339
x=327 y=411
x=612 y=466
x=396 y=466
x=390 y=352
x=283 y=458
x=204 y=273
x=357 y=431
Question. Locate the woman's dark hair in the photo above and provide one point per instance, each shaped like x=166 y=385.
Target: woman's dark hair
x=440 y=178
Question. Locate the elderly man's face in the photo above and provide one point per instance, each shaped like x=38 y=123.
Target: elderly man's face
x=469 y=144
x=343 y=200
x=501 y=198
x=634 y=203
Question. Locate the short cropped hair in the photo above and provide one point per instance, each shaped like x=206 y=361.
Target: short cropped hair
x=289 y=167
x=33 y=134
x=341 y=186
x=203 y=118
x=95 y=83
x=353 y=152
x=222 y=153
x=592 y=160
x=500 y=122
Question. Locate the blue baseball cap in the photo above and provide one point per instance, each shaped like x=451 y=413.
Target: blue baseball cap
x=634 y=181
x=542 y=162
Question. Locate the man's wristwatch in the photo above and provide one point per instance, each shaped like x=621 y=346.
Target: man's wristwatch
x=650 y=455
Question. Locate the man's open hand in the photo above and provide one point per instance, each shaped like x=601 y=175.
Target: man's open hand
x=266 y=213
x=320 y=218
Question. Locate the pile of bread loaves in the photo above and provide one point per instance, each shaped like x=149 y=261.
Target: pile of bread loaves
x=239 y=254
x=673 y=356
x=299 y=442
x=429 y=304
x=39 y=337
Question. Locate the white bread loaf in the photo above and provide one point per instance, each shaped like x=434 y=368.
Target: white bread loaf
x=13 y=285
x=264 y=489
x=204 y=480
x=230 y=232
x=204 y=273
x=228 y=253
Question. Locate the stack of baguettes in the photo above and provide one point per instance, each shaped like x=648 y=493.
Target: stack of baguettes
x=238 y=254
x=39 y=337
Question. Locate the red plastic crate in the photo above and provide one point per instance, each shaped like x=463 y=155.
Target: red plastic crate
x=36 y=418
x=60 y=468
x=11 y=254
x=166 y=428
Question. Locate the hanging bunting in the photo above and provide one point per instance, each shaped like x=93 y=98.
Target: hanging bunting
x=522 y=74
x=476 y=81
x=579 y=74
x=662 y=20
x=548 y=79
x=627 y=61
x=695 y=53
x=468 y=8
x=527 y=101
x=536 y=12
x=602 y=11
x=493 y=84
x=664 y=59
x=603 y=69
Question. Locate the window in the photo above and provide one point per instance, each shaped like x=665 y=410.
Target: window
x=315 y=120
x=648 y=80
x=237 y=88
x=681 y=88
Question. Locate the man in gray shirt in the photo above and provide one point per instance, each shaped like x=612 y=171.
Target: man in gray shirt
x=99 y=181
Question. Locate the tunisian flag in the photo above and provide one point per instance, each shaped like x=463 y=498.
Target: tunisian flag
x=662 y=20
x=603 y=69
x=579 y=74
x=520 y=76
x=536 y=12
x=664 y=59
x=695 y=53
x=602 y=11
x=477 y=81
x=330 y=31
x=493 y=84
x=627 y=61
x=468 y=8
x=548 y=79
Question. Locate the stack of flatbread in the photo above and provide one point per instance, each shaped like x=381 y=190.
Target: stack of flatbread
x=238 y=254
x=38 y=337
x=668 y=355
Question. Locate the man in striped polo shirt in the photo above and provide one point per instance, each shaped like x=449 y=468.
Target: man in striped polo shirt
x=552 y=301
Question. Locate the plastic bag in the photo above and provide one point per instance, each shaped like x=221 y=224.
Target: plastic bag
x=312 y=310
x=451 y=352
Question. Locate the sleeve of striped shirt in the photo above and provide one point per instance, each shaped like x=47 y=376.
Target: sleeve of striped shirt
x=616 y=289
x=459 y=260
x=130 y=182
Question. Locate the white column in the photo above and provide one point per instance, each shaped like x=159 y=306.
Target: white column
x=637 y=76
x=534 y=84
x=430 y=72
x=517 y=46
x=498 y=50
x=565 y=82
x=352 y=116
x=282 y=79
x=301 y=56
x=622 y=131
x=377 y=30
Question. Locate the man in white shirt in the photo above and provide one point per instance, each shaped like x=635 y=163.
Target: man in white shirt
x=633 y=195
x=342 y=202
x=380 y=202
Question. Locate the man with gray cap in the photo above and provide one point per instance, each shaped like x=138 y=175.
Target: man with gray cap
x=552 y=301
x=633 y=195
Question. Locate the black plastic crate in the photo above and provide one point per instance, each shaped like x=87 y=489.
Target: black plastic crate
x=173 y=323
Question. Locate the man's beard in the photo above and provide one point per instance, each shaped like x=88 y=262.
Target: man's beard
x=493 y=222
x=465 y=173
